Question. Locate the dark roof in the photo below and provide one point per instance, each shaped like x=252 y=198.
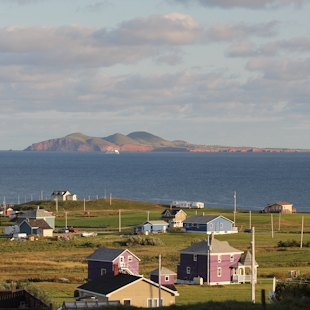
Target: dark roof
x=38 y=224
x=108 y=283
x=105 y=254
x=215 y=247
x=171 y=212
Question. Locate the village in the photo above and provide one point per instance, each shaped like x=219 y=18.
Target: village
x=113 y=274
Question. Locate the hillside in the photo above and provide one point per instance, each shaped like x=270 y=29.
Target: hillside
x=139 y=141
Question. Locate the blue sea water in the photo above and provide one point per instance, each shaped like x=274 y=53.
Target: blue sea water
x=257 y=178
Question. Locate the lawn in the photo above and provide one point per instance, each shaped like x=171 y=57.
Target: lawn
x=48 y=260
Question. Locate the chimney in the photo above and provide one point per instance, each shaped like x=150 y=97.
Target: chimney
x=115 y=269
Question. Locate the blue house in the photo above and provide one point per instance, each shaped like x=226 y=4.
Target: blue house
x=36 y=227
x=104 y=260
x=150 y=227
x=208 y=224
x=37 y=214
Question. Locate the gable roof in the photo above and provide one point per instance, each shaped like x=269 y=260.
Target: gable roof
x=203 y=219
x=62 y=193
x=37 y=224
x=215 y=247
x=108 y=255
x=163 y=271
x=159 y=222
x=33 y=214
x=172 y=212
x=106 y=284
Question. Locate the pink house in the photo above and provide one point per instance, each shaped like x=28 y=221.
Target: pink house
x=213 y=261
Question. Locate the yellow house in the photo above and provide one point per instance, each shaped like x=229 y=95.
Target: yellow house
x=128 y=290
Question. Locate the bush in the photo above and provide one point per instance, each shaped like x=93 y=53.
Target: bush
x=140 y=240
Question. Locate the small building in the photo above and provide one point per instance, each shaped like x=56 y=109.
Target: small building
x=129 y=290
x=63 y=195
x=167 y=277
x=216 y=262
x=187 y=204
x=209 y=224
x=151 y=227
x=279 y=207
x=102 y=261
x=174 y=217
x=36 y=227
x=37 y=214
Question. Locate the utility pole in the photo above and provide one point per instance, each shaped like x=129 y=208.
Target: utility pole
x=110 y=199
x=302 y=231
x=253 y=274
x=159 y=280
x=271 y=225
x=250 y=219
x=235 y=206
x=148 y=215
x=119 y=221
x=66 y=213
x=84 y=204
x=57 y=204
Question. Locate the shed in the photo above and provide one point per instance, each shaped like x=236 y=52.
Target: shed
x=151 y=227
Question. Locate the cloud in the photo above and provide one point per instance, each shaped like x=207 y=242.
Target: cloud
x=244 y=48
x=21 y=2
x=233 y=31
x=157 y=36
x=284 y=69
x=98 y=6
x=298 y=45
x=253 y=4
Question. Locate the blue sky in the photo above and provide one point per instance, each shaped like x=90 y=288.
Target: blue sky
x=224 y=72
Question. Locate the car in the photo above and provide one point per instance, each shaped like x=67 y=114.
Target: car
x=63 y=230
x=248 y=230
x=73 y=230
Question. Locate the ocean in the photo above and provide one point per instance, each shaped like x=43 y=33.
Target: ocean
x=257 y=178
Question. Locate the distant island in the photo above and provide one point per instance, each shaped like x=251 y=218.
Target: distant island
x=139 y=141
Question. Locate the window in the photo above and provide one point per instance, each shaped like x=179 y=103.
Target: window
x=166 y=278
x=219 y=271
x=129 y=258
x=195 y=257
x=153 y=302
x=231 y=257
x=211 y=225
x=219 y=258
x=103 y=271
x=188 y=270
x=221 y=225
x=126 y=302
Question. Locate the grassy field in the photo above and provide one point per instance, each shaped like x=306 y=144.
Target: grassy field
x=48 y=260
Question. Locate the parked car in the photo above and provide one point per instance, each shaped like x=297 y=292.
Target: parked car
x=248 y=230
x=73 y=230
x=63 y=230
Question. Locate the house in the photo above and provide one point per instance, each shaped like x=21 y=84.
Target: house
x=187 y=204
x=279 y=207
x=151 y=227
x=21 y=299
x=36 y=227
x=103 y=259
x=209 y=224
x=128 y=289
x=174 y=217
x=37 y=214
x=63 y=195
x=216 y=262
x=167 y=277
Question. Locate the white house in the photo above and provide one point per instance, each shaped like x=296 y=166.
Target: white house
x=63 y=195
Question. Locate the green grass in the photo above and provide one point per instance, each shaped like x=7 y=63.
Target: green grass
x=52 y=259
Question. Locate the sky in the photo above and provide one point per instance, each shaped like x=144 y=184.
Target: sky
x=214 y=72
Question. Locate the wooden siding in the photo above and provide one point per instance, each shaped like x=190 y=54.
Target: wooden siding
x=139 y=293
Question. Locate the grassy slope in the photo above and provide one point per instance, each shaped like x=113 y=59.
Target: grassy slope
x=56 y=259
